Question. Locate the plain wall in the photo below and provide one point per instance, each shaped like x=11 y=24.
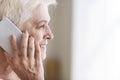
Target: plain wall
x=60 y=47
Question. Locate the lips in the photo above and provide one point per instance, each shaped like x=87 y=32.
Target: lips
x=43 y=45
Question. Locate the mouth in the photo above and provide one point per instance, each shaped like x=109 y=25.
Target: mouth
x=43 y=45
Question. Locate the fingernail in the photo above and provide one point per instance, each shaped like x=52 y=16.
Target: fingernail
x=26 y=31
x=11 y=37
x=36 y=43
x=31 y=37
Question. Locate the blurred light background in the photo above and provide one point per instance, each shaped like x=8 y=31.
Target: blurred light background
x=86 y=44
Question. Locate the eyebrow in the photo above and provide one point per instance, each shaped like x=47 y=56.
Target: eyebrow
x=45 y=21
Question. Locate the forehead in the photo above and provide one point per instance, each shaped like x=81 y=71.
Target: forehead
x=41 y=13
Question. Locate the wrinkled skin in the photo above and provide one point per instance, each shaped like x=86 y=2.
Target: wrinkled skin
x=3 y=63
x=27 y=61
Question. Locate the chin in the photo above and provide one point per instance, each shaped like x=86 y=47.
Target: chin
x=43 y=54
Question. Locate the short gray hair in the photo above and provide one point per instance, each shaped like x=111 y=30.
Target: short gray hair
x=20 y=10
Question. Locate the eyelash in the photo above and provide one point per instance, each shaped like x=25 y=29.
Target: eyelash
x=42 y=26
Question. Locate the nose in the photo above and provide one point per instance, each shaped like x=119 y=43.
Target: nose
x=48 y=34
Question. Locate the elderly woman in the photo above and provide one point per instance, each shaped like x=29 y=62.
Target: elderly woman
x=32 y=18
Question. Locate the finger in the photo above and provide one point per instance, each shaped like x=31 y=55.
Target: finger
x=31 y=49
x=24 y=44
x=37 y=53
x=14 y=45
x=8 y=58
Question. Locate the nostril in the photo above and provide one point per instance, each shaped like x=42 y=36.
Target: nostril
x=49 y=36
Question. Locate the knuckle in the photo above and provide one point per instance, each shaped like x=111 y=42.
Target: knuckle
x=37 y=63
x=30 y=48
x=37 y=51
x=15 y=61
x=15 y=49
x=31 y=64
x=22 y=47
x=24 y=62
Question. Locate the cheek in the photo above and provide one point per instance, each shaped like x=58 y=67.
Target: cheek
x=26 y=26
x=38 y=36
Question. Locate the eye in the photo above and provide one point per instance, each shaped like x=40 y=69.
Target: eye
x=41 y=26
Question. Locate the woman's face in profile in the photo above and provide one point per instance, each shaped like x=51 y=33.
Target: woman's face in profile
x=38 y=27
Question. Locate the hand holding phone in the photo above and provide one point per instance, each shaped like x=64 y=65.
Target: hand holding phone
x=7 y=28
